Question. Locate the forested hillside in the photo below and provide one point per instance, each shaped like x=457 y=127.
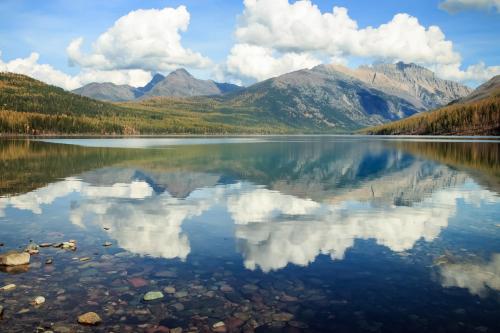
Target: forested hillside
x=473 y=116
x=28 y=106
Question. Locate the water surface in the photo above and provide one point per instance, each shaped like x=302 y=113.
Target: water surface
x=268 y=234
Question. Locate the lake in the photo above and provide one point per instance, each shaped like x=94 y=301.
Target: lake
x=257 y=234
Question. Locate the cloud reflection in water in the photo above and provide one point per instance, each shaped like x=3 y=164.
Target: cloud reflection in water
x=478 y=278
x=273 y=229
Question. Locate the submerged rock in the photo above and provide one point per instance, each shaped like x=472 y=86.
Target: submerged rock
x=283 y=316
x=89 y=318
x=138 y=282
x=178 y=306
x=152 y=295
x=166 y=274
x=226 y=288
x=219 y=327
x=181 y=294
x=8 y=287
x=71 y=245
x=14 y=259
x=158 y=329
x=32 y=248
x=169 y=290
x=39 y=300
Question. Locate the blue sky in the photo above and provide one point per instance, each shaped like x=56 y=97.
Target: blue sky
x=48 y=27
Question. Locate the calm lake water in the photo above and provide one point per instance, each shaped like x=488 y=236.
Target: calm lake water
x=265 y=234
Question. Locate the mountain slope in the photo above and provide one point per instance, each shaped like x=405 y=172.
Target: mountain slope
x=476 y=114
x=157 y=78
x=324 y=97
x=111 y=92
x=180 y=83
x=414 y=83
x=487 y=89
x=107 y=91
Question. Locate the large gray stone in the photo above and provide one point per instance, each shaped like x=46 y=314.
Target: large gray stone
x=15 y=259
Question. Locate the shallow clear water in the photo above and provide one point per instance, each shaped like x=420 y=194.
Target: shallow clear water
x=269 y=234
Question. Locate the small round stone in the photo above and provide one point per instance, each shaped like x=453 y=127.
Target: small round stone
x=89 y=318
x=152 y=295
x=169 y=290
x=39 y=300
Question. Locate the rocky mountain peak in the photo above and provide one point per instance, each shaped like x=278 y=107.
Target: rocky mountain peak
x=417 y=84
x=181 y=72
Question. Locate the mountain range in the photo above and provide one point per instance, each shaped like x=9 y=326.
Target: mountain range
x=326 y=96
x=339 y=98
x=323 y=99
x=179 y=83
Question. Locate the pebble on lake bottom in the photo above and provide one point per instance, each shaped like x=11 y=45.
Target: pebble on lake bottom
x=219 y=327
x=153 y=295
x=39 y=300
x=89 y=318
x=8 y=287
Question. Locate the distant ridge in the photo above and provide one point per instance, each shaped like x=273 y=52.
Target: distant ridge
x=179 y=83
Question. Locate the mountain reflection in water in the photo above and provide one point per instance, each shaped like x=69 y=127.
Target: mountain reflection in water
x=281 y=204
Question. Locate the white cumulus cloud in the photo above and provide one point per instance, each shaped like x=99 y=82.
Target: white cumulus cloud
x=455 y=6
x=30 y=66
x=139 y=43
x=48 y=74
x=276 y=36
x=143 y=39
x=260 y=63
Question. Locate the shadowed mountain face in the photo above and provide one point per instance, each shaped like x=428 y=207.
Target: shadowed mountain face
x=151 y=84
x=179 y=83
